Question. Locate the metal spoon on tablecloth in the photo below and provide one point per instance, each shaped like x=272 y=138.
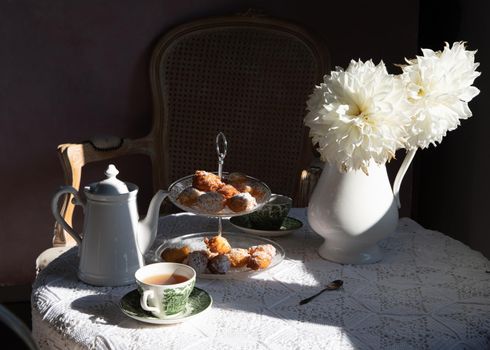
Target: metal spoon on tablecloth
x=331 y=286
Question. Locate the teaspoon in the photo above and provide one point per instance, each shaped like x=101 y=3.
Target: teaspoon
x=331 y=286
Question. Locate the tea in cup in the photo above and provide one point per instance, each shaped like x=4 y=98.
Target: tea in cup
x=272 y=214
x=165 y=288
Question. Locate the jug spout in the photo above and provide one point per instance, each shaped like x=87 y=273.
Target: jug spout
x=147 y=227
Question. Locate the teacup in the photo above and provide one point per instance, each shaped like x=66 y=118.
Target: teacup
x=272 y=214
x=165 y=288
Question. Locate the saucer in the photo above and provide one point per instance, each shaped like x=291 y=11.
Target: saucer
x=289 y=225
x=199 y=301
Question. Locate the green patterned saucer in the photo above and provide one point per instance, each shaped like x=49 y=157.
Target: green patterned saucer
x=289 y=225
x=199 y=301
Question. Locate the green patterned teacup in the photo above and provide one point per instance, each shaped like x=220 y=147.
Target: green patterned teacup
x=272 y=214
x=165 y=288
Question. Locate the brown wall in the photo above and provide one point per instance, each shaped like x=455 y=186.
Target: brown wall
x=73 y=69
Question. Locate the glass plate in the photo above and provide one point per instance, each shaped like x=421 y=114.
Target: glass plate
x=181 y=184
x=195 y=241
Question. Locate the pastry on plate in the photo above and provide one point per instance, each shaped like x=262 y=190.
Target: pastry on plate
x=206 y=182
x=261 y=256
x=189 y=196
x=243 y=187
x=218 y=244
x=266 y=248
x=257 y=191
x=228 y=191
x=241 y=202
x=259 y=260
x=220 y=264
x=211 y=202
x=198 y=260
x=236 y=178
x=238 y=257
x=175 y=254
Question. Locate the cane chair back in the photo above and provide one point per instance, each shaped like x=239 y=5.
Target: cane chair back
x=246 y=77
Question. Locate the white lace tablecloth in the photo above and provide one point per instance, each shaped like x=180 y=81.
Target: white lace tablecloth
x=429 y=292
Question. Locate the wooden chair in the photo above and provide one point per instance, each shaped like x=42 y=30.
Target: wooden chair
x=246 y=76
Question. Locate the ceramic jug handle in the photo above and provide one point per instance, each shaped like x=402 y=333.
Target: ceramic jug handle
x=401 y=173
x=54 y=208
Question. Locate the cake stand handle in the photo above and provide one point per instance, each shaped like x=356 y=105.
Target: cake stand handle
x=220 y=226
x=221 y=149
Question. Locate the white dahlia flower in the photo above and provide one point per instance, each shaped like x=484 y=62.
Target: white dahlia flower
x=439 y=85
x=358 y=116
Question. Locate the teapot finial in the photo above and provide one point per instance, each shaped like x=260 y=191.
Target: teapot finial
x=111 y=171
x=111 y=185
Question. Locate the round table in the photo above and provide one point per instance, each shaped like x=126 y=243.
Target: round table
x=429 y=292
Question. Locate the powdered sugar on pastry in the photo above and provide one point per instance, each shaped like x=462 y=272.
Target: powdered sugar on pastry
x=241 y=202
x=266 y=248
x=189 y=196
x=239 y=257
x=211 y=202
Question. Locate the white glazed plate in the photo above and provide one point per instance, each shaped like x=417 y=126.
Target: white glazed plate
x=195 y=241
x=199 y=301
x=289 y=225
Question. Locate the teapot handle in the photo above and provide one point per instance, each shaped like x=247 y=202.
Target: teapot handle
x=54 y=208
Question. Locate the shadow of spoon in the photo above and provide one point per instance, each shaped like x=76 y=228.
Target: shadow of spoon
x=334 y=285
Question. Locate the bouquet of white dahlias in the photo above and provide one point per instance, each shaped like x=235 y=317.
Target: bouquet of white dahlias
x=363 y=114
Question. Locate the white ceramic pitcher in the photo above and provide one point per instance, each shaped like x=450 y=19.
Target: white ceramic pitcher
x=114 y=240
x=353 y=211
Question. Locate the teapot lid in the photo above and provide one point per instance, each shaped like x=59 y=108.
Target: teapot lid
x=110 y=186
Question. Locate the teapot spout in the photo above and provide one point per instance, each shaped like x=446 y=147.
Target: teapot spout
x=147 y=228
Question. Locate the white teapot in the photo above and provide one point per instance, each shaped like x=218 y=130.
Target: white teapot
x=114 y=239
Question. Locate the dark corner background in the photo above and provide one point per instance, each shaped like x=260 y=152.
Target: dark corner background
x=451 y=186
